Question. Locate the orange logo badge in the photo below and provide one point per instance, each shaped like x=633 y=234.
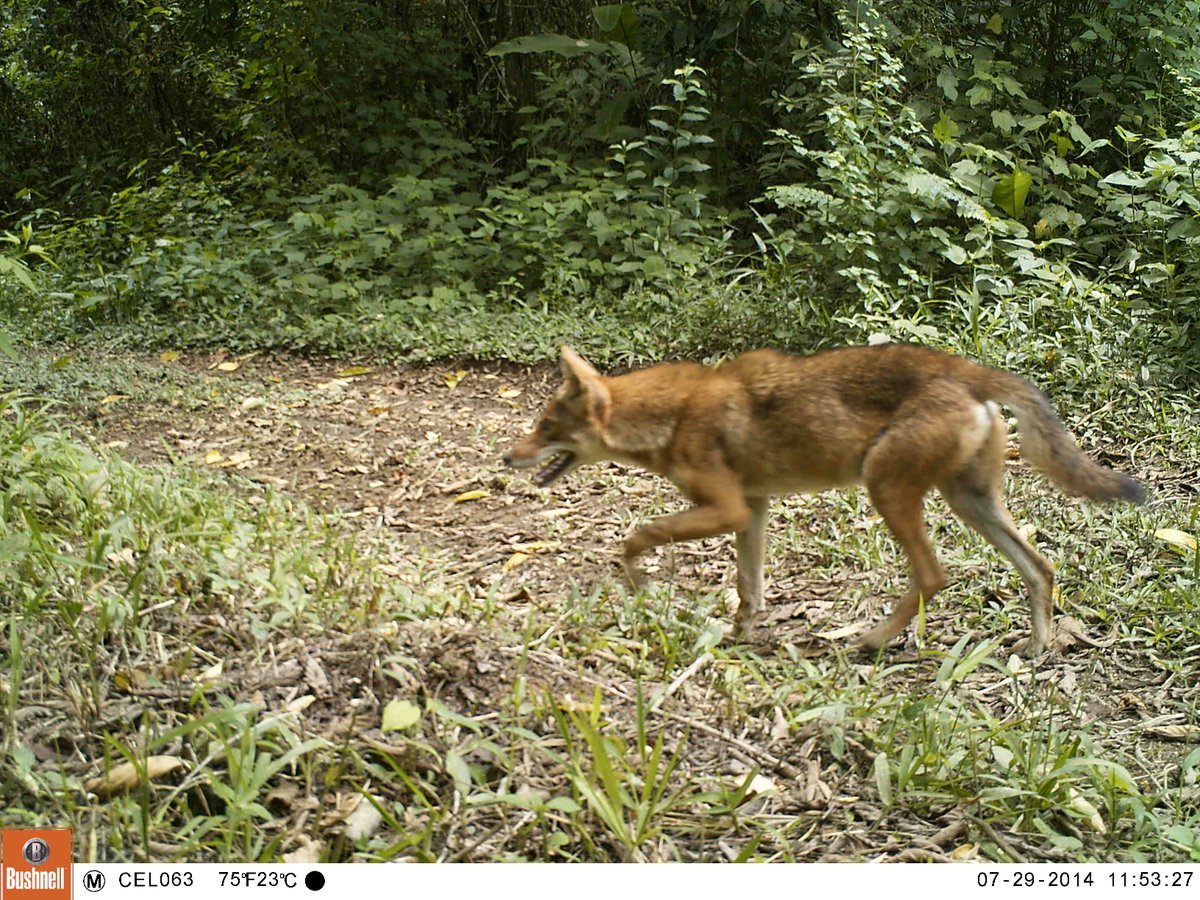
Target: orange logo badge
x=35 y=864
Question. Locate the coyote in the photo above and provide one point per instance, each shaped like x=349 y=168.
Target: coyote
x=897 y=418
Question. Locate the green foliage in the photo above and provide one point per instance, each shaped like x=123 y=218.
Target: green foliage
x=311 y=268
x=562 y=230
x=14 y=266
x=855 y=178
x=596 y=162
x=628 y=790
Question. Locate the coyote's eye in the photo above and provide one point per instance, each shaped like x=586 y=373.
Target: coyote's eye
x=555 y=426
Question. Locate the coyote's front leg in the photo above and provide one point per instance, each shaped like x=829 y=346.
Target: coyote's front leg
x=719 y=508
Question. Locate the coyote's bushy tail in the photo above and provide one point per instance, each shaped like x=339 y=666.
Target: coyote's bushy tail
x=1050 y=448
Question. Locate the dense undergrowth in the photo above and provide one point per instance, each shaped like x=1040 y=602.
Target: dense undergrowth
x=929 y=190
x=1017 y=185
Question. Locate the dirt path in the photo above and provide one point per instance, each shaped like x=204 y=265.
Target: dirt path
x=414 y=448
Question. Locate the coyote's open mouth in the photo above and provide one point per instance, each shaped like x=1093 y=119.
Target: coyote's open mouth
x=559 y=463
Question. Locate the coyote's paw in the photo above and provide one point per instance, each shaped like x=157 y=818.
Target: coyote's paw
x=875 y=639
x=635 y=575
x=744 y=625
x=1066 y=633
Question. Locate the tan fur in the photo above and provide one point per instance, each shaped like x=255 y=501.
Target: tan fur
x=899 y=419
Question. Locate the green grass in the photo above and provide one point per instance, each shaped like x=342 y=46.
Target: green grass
x=246 y=645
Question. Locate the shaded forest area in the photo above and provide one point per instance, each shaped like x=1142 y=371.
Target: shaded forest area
x=280 y=282
x=429 y=178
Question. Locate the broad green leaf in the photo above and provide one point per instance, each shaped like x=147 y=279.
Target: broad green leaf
x=1003 y=120
x=1010 y=192
x=979 y=95
x=17 y=270
x=564 y=805
x=558 y=44
x=617 y=21
x=1063 y=144
x=1130 y=137
x=945 y=129
x=400 y=714
x=955 y=254
x=948 y=82
x=1124 y=179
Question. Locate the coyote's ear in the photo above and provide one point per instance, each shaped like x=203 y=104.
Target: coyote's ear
x=576 y=368
x=580 y=376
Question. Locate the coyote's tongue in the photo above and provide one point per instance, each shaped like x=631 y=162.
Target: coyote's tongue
x=552 y=470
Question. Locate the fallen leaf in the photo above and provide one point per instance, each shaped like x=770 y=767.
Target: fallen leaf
x=114 y=398
x=231 y=365
x=1174 y=732
x=284 y=795
x=761 y=784
x=353 y=371
x=468 y=496
x=509 y=393
x=1180 y=540
x=537 y=546
x=300 y=704
x=124 y=556
x=780 y=728
x=513 y=561
x=838 y=633
x=343 y=805
x=308 y=852
x=378 y=410
x=212 y=457
x=126 y=776
x=238 y=459
x=453 y=378
x=169 y=356
x=363 y=822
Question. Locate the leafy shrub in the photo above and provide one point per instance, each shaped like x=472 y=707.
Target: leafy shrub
x=854 y=178
x=282 y=270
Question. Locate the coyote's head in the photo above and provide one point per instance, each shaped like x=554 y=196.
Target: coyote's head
x=570 y=431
